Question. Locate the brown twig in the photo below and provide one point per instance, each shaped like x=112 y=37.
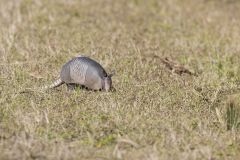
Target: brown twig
x=176 y=67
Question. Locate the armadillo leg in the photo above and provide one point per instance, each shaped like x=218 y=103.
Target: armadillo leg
x=74 y=86
x=71 y=87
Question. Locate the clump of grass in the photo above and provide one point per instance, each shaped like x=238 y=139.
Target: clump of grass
x=233 y=114
x=229 y=115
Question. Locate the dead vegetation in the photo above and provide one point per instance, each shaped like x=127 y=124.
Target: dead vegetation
x=175 y=67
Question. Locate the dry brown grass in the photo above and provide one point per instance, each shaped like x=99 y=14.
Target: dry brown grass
x=154 y=114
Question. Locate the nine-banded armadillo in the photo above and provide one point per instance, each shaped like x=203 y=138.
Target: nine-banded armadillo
x=85 y=72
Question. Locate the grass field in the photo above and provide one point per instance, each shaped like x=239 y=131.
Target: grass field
x=155 y=113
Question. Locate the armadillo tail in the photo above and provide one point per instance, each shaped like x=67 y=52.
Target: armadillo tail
x=54 y=84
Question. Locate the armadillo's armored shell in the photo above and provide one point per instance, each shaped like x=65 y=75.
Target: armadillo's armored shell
x=84 y=71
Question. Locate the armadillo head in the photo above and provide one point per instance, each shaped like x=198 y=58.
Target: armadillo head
x=108 y=82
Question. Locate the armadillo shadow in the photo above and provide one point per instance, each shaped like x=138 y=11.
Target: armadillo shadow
x=73 y=87
x=70 y=87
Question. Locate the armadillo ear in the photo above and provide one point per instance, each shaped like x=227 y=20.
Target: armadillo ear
x=112 y=73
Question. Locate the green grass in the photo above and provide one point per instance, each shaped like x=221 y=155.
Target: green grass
x=154 y=114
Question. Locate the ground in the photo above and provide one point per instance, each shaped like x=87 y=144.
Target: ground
x=155 y=113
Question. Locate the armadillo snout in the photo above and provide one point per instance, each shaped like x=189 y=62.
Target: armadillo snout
x=107 y=83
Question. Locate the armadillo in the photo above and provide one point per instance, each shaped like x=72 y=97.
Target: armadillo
x=85 y=72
